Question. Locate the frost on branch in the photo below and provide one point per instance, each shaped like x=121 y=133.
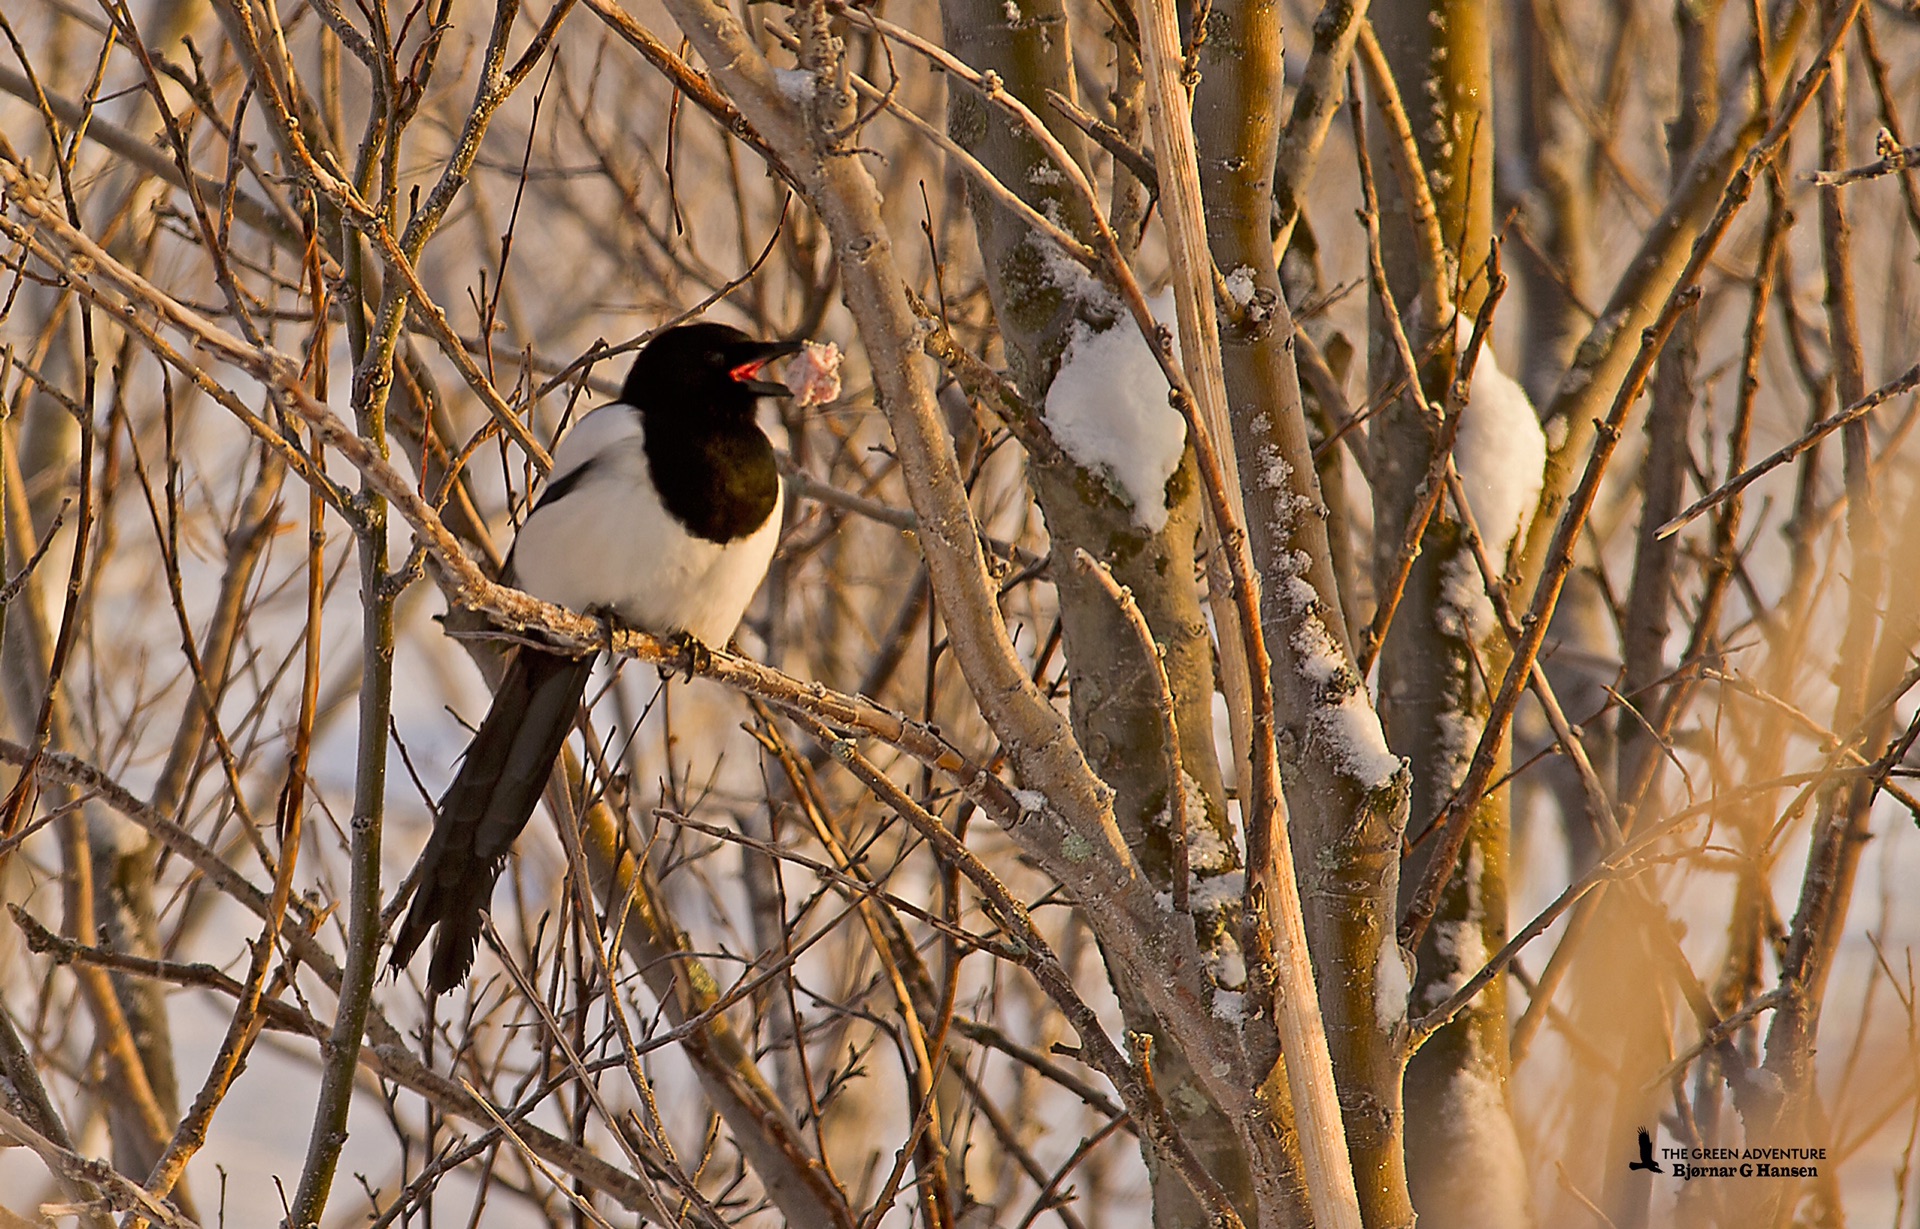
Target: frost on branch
x=1345 y=724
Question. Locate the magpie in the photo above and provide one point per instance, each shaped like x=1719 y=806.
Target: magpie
x=662 y=511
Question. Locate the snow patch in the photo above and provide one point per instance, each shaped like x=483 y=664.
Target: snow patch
x=1240 y=286
x=1223 y=746
x=1209 y=900
x=1207 y=852
x=795 y=84
x=1491 y=1188
x=1464 y=610
x=1346 y=725
x=1461 y=946
x=1501 y=452
x=1352 y=729
x=1218 y=892
x=1108 y=409
x=1459 y=735
x=1390 y=985
x=1068 y=275
x=1768 y=1082
x=1274 y=472
x=1228 y=966
x=1463 y=952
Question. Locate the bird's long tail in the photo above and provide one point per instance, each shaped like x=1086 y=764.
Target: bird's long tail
x=505 y=770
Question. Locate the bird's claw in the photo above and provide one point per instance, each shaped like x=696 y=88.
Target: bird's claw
x=690 y=656
x=611 y=625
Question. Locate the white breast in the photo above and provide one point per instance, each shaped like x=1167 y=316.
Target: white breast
x=610 y=545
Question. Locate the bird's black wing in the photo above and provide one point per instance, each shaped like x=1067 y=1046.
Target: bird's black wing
x=559 y=487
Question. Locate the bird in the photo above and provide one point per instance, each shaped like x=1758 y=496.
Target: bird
x=1646 y=1160
x=661 y=511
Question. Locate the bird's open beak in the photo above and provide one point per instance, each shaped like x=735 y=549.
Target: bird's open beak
x=748 y=373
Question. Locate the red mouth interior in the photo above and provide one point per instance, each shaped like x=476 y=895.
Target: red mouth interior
x=748 y=371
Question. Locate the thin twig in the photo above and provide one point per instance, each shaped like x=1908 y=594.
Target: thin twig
x=1898 y=159
x=1900 y=385
x=1177 y=817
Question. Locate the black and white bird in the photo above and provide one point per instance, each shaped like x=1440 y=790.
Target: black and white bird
x=662 y=511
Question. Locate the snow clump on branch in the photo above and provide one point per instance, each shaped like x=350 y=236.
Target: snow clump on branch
x=1501 y=452
x=1108 y=409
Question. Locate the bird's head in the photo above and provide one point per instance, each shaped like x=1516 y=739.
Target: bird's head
x=714 y=368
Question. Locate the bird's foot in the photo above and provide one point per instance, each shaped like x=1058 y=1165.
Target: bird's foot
x=690 y=656
x=611 y=624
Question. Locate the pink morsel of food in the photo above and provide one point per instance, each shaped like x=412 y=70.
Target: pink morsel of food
x=814 y=374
